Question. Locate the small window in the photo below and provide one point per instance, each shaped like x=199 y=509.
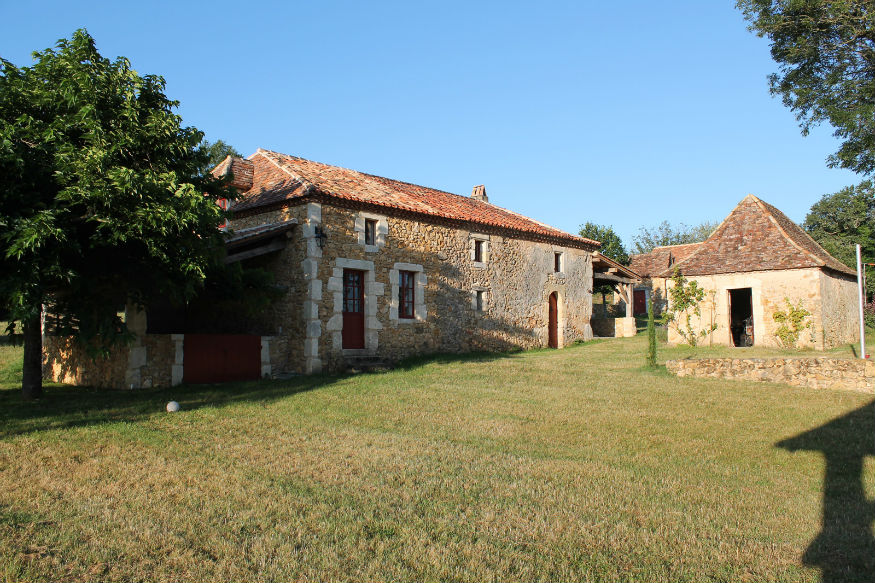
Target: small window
x=479 y=300
x=406 y=285
x=557 y=262
x=370 y=232
x=478 y=251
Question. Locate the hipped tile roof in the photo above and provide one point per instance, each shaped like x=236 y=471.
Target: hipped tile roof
x=754 y=237
x=280 y=179
x=661 y=258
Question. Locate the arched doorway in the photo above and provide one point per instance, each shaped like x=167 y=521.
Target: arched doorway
x=553 y=321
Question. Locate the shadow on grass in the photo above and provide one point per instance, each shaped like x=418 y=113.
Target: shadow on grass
x=415 y=362
x=845 y=548
x=64 y=406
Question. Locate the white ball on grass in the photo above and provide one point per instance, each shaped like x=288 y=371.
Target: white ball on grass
x=172 y=407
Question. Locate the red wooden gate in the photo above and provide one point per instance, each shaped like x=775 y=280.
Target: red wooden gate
x=353 y=308
x=219 y=358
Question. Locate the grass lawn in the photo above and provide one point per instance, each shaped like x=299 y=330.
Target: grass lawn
x=548 y=465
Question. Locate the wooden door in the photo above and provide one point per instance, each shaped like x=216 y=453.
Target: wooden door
x=554 y=321
x=353 y=308
x=639 y=303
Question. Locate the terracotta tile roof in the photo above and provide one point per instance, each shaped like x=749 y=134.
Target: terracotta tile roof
x=756 y=237
x=239 y=169
x=650 y=264
x=280 y=179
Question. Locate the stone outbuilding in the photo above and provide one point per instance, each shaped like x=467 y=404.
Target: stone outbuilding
x=755 y=261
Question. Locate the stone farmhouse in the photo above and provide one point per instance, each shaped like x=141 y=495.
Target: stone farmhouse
x=373 y=270
x=755 y=260
x=380 y=268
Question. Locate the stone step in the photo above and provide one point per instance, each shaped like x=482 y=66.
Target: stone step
x=360 y=364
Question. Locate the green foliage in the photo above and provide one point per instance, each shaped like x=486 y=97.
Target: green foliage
x=651 y=336
x=233 y=300
x=102 y=196
x=825 y=53
x=667 y=234
x=791 y=323
x=869 y=314
x=612 y=246
x=838 y=221
x=685 y=298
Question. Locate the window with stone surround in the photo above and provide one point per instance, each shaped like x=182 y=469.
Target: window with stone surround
x=406 y=299
x=478 y=299
x=372 y=231
x=557 y=262
x=407 y=302
x=479 y=249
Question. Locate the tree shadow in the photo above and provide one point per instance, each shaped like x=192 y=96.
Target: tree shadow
x=845 y=548
x=66 y=406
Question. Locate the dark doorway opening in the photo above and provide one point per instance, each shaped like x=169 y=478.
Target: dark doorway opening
x=553 y=329
x=741 y=316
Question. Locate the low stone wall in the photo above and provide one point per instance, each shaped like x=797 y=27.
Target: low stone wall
x=152 y=360
x=815 y=373
x=148 y=362
x=614 y=327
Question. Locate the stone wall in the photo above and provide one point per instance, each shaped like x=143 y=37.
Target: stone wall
x=515 y=277
x=149 y=362
x=152 y=360
x=815 y=373
x=840 y=316
x=822 y=294
x=614 y=327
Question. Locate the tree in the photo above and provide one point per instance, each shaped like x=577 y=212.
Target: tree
x=612 y=245
x=667 y=234
x=216 y=152
x=841 y=220
x=101 y=201
x=651 y=336
x=838 y=221
x=826 y=55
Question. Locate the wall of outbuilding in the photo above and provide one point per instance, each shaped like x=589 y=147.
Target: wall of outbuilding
x=826 y=297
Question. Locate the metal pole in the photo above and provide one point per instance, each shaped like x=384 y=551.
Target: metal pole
x=860 y=290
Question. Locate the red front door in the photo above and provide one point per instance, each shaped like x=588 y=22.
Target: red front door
x=639 y=302
x=353 y=308
x=554 y=321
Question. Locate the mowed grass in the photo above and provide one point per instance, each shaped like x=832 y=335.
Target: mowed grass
x=576 y=464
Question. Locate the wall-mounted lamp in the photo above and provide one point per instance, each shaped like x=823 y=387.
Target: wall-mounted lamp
x=320 y=237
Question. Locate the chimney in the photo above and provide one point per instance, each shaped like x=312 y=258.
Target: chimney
x=479 y=193
x=240 y=171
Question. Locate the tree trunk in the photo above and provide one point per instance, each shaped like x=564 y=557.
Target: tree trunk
x=32 y=371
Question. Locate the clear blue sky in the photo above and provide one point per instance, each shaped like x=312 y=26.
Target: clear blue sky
x=620 y=113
